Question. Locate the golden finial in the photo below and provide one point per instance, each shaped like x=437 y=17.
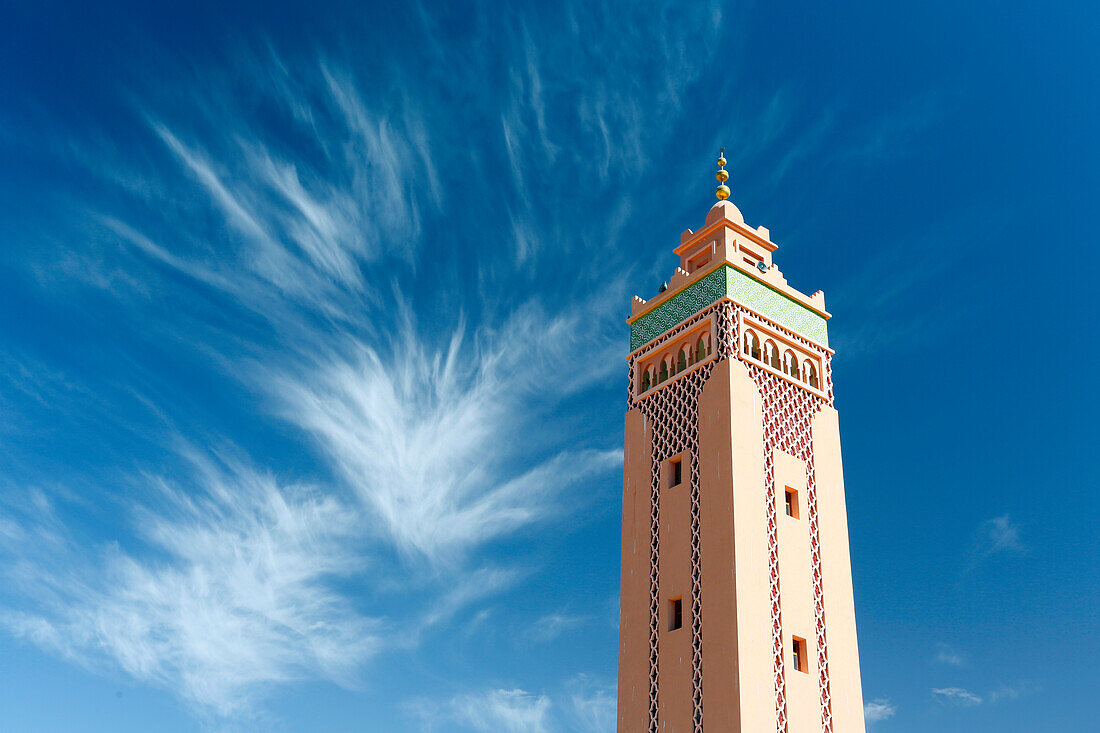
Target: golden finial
x=723 y=191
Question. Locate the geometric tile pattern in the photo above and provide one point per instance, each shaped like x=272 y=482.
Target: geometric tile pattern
x=729 y=282
x=684 y=304
x=776 y=306
x=672 y=417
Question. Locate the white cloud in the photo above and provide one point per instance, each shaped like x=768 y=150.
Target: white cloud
x=878 y=709
x=957 y=695
x=439 y=443
x=583 y=705
x=946 y=655
x=994 y=536
x=231 y=594
x=593 y=707
x=964 y=697
x=461 y=590
x=504 y=711
x=280 y=196
x=1004 y=692
x=553 y=625
x=226 y=585
x=999 y=535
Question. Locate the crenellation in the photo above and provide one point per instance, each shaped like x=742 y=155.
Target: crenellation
x=679 y=277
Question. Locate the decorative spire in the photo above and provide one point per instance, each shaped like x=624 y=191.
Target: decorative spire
x=723 y=191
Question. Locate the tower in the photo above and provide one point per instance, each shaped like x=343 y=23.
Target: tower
x=736 y=595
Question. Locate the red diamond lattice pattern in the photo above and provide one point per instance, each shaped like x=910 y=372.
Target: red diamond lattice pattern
x=672 y=414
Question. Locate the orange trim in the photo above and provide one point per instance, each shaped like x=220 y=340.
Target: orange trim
x=662 y=297
x=712 y=228
x=654 y=390
x=764 y=331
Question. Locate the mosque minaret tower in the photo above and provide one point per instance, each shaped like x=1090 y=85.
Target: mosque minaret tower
x=736 y=600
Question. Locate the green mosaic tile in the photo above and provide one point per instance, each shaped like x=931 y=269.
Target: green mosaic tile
x=736 y=285
x=776 y=306
x=682 y=306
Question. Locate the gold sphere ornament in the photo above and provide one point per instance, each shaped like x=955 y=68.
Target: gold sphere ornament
x=722 y=175
x=722 y=192
x=722 y=161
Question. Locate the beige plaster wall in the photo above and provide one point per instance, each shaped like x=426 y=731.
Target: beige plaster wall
x=738 y=692
x=716 y=524
x=836 y=576
x=796 y=596
x=756 y=693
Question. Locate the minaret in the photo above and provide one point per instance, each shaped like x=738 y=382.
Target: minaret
x=736 y=599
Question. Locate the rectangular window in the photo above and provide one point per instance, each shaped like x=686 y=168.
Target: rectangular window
x=675 y=614
x=699 y=262
x=799 y=652
x=675 y=471
x=790 y=498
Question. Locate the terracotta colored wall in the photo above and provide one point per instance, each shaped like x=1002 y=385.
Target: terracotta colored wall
x=836 y=576
x=674 y=673
x=634 y=590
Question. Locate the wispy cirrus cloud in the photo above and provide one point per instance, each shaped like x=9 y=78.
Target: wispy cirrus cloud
x=511 y=711
x=226 y=588
x=551 y=626
x=879 y=709
x=999 y=534
x=593 y=706
x=269 y=222
x=945 y=654
x=582 y=705
x=964 y=697
x=957 y=695
x=280 y=218
x=994 y=536
x=430 y=439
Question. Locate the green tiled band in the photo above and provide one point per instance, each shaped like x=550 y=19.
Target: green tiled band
x=736 y=285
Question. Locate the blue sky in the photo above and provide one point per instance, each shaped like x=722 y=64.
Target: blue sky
x=311 y=377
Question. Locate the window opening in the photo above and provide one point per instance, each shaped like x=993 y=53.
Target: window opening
x=799 y=654
x=790 y=502
x=676 y=614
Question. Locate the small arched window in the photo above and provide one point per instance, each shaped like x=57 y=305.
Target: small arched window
x=700 y=350
x=645 y=380
x=752 y=345
x=811 y=374
x=682 y=360
x=772 y=354
x=663 y=374
x=792 y=364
